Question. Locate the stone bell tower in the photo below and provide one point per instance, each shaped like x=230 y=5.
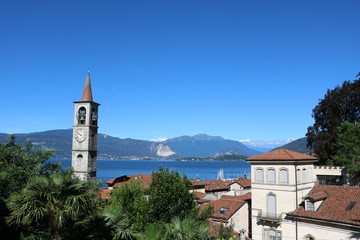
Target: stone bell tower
x=85 y=131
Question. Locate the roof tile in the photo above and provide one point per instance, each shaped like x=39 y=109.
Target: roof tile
x=282 y=154
x=334 y=206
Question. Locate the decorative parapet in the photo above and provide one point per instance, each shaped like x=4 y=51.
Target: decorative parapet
x=329 y=171
x=328 y=167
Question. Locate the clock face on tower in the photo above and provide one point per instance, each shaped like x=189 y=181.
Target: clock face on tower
x=80 y=135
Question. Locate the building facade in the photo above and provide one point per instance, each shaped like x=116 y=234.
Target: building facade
x=288 y=204
x=280 y=180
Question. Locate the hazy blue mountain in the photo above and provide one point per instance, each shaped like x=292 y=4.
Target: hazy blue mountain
x=108 y=147
x=203 y=145
x=266 y=146
x=298 y=145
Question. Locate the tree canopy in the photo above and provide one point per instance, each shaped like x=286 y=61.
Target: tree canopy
x=342 y=104
x=18 y=164
x=52 y=201
x=169 y=196
x=348 y=149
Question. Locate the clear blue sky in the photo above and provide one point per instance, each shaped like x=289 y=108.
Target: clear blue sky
x=238 y=69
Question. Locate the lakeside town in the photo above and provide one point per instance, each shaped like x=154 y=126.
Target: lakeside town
x=180 y=120
x=289 y=196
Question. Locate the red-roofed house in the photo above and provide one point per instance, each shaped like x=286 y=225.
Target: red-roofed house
x=214 y=189
x=240 y=186
x=329 y=212
x=231 y=210
x=198 y=186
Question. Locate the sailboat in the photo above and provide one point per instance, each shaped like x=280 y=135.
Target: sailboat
x=220 y=175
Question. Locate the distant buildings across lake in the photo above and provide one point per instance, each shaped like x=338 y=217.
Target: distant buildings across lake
x=109 y=169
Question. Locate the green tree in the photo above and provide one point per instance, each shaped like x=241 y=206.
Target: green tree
x=339 y=105
x=348 y=149
x=17 y=165
x=131 y=201
x=169 y=196
x=225 y=232
x=53 y=201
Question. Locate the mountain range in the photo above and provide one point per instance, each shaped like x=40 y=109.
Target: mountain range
x=266 y=146
x=299 y=145
x=109 y=147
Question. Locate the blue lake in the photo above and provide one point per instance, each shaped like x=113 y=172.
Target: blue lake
x=109 y=169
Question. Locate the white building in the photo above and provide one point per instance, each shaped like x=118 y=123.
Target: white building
x=286 y=203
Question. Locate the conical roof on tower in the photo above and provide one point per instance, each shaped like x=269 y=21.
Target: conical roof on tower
x=87 y=94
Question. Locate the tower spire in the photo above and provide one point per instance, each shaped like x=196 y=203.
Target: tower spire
x=87 y=94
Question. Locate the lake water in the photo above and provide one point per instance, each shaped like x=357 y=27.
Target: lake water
x=109 y=169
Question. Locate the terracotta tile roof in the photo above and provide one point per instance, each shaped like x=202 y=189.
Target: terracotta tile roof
x=87 y=94
x=198 y=195
x=216 y=185
x=229 y=205
x=245 y=183
x=202 y=200
x=197 y=183
x=145 y=179
x=282 y=154
x=123 y=178
x=106 y=193
x=317 y=196
x=244 y=197
x=334 y=207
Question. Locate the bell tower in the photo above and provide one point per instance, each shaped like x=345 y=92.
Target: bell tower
x=85 y=131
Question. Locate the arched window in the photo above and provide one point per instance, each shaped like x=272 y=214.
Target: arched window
x=79 y=157
x=309 y=237
x=271 y=176
x=259 y=175
x=81 y=116
x=284 y=176
x=271 y=205
x=94 y=117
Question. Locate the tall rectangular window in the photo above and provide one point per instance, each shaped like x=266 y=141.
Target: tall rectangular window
x=271 y=234
x=304 y=175
x=298 y=176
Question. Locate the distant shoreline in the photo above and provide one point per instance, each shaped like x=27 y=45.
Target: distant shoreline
x=220 y=158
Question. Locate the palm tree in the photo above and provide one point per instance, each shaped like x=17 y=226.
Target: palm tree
x=121 y=225
x=187 y=229
x=53 y=201
x=153 y=231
